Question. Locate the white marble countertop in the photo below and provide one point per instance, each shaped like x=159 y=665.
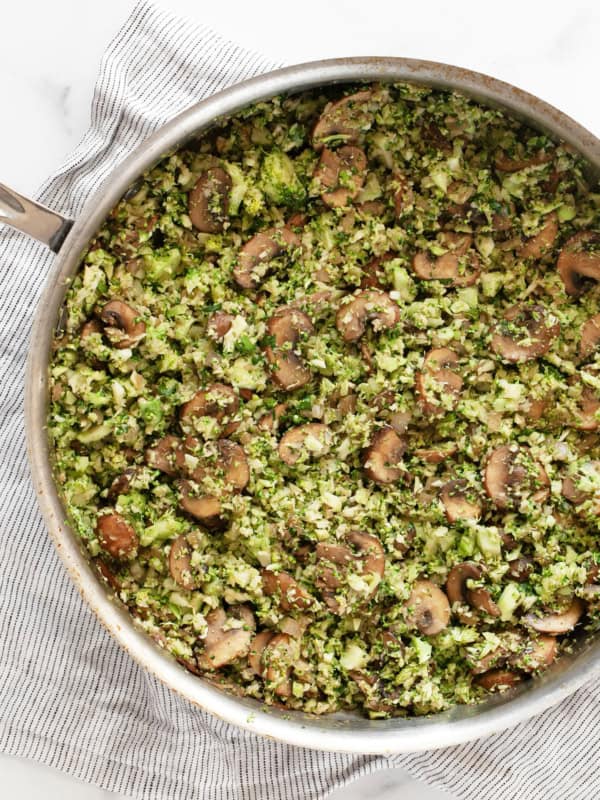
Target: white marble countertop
x=49 y=60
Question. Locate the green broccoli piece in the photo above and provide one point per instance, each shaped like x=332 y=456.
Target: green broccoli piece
x=279 y=181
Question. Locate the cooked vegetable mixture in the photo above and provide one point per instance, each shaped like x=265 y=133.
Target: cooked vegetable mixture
x=325 y=407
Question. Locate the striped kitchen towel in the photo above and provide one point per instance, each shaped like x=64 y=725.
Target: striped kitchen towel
x=69 y=696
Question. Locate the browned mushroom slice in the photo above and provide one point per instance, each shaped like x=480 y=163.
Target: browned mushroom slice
x=257 y=648
x=340 y=175
x=520 y=568
x=255 y=255
x=122 y=324
x=498 y=680
x=116 y=535
x=535 y=654
x=538 y=245
x=374 y=273
x=269 y=420
x=589 y=405
x=382 y=459
x=224 y=644
x=163 y=454
x=336 y=560
x=232 y=464
x=404 y=195
x=370 y=553
x=438 y=387
x=460 y=501
x=180 y=564
x=208 y=203
x=312 y=440
x=122 y=483
x=579 y=259
x=89 y=328
x=278 y=658
x=590 y=337
x=286 y=326
x=436 y=454
x=345 y=119
x=428 y=608
x=556 y=623
x=369 y=305
x=512 y=475
x=506 y=163
x=572 y=491
x=219 y=324
x=456 y=588
x=219 y=401
x=291 y=594
x=207 y=509
x=481 y=599
x=460 y=265
x=525 y=333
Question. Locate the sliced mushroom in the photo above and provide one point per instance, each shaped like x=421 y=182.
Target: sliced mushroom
x=219 y=323
x=340 y=174
x=589 y=405
x=436 y=454
x=116 y=535
x=369 y=305
x=404 y=196
x=312 y=440
x=460 y=501
x=428 y=608
x=540 y=244
x=180 y=564
x=232 y=464
x=345 y=119
x=576 y=495
x=590 y=337
x=268 y=421
x=460 y=265
x=535 y=654
x=207 y=509
x=208 y=203
x=163 y=454
x=286 y=326
x=291 y=594
x=512 y=475
x=278 y=658
x=224 y=644
x=257 y=648
x=219 y=401
x=255 y=255
x=506 y=163
x=382 y=459
x=122 y=483
x=481 y=599
x=556 y=623
x=456 y=588
x=579 y=259
x=526 y=332
x=122 y=324
x=374 y=274
x=89 y=328
x=498 y=680
x=363 y=551
x=437 y=381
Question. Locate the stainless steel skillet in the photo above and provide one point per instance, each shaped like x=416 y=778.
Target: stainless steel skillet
x=69 y=239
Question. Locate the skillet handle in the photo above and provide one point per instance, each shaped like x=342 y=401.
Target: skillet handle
x=32 y=218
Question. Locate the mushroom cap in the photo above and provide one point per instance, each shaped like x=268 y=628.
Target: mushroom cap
x=208 y=202
x=368 y=305
x=557 y=623
x=575 y=262
x=460 y=265
x=312 y=439
x=255 y=255
x=122 y=324
x=163 y=454
x=257 y=648
x=590 y=337
x=218 y=400
x=224 y=645
x=512 y=475
x=341 y=175
x=291 y=594
x=428 y=608
x=456 y=588
x=540 y=244
x=116 y=536
x=180 y=564
x=286 y=327
x=460 y=501
x=345 y=119
x=498 y=679
x=536 y=653
x=382 y=459
x=437 y=379
x=526 y=332
x=207 y=509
